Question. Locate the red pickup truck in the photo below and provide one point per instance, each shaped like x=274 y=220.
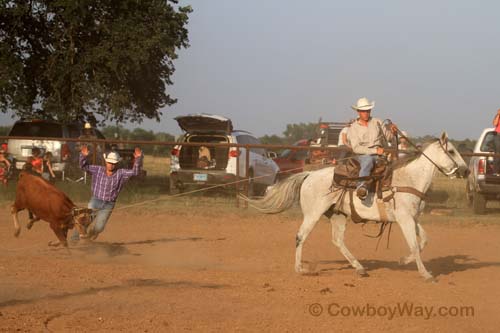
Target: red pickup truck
x=292 y=161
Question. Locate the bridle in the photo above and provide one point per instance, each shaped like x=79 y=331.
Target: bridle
x=443 y=146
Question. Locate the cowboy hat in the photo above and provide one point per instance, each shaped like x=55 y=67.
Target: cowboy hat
x=363 y=104
x=87 y=126
x=112 y=158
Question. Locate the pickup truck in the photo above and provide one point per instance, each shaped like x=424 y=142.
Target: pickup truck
x=483 y=184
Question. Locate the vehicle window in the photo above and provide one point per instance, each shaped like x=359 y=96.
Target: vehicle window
x=37 y=129
x=243 y=139
x=250 y=140
x=488 y=142
x=207 y=138
x=285 y=153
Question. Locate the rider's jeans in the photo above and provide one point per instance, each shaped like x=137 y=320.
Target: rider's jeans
x=366 y=163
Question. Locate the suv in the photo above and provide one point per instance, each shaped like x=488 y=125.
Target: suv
x=482 y=183
x=202 y=165
x=21 y=149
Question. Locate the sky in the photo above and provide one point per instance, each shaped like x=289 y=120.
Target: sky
x=429 y=65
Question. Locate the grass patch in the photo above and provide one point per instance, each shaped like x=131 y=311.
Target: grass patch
x=151 y=195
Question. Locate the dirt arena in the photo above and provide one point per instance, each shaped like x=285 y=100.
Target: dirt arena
x=167 y=270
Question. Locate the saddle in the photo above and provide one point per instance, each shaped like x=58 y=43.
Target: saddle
x=346 y=176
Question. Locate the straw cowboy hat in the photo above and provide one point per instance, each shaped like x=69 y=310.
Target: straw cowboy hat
x=113 y=158
x=87 y=126
x=363 y=104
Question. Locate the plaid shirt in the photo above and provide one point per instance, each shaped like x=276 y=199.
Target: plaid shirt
x=106 y=187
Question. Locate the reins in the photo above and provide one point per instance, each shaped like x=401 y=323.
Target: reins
x=420 y=151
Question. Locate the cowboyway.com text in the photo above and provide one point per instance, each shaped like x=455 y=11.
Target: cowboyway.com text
x=401 y=309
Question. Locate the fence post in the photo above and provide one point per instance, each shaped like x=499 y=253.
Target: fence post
x=247 y=166
x=237 y=185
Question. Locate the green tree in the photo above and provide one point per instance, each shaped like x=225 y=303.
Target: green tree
x=87 y=59
x=4 y=130
x=296 y=132
x=272 y=140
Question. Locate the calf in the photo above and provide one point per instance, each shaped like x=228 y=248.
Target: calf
x=50 y=204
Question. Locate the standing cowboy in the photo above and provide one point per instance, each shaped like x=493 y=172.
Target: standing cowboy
x=88 y=133
x=367 y=135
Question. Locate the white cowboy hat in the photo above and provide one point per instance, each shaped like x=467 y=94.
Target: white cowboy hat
x=363 y=104
x=112 y=158
x=87 y=125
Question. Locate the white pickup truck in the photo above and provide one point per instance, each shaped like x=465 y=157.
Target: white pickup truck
x=483 y=184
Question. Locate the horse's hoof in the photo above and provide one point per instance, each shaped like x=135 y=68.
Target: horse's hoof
x=402 y=261
x=17 y=232
x=29 y=225
x=51 y=243
x=431 y=279
x=362 y=273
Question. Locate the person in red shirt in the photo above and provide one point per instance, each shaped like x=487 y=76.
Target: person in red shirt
x=4 y=167
x=496 y=123
x=37 y=161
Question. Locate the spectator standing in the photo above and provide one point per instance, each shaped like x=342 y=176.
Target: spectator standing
x=36 y=161
x=48 y=173
x=496 y=142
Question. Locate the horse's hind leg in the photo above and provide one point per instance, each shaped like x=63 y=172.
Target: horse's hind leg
x=338 y=229
x=408 y=227
x=423 y=241
x=304 y=231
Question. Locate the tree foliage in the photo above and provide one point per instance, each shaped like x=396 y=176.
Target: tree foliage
x=4 y=130
x=272 y=140
x=139 y=134
x=74 y=59
x=296 y=132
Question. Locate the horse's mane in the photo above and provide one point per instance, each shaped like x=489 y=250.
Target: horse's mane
x=410 y=156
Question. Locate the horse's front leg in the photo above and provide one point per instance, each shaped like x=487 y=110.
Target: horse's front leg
x=423 y=241
x=408 y=227
x=338 y=222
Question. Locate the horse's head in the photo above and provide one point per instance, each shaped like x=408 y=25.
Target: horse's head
x=447 y=158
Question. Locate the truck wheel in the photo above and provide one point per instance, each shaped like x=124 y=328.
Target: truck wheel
x=478 y=203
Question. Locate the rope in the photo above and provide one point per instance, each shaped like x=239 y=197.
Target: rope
x=205 y=189
x=422 y=152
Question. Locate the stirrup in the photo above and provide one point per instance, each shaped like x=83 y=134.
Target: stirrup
x=362 y=192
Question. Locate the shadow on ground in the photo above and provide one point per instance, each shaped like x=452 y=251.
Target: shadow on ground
x=438 y=266
x=128 y=284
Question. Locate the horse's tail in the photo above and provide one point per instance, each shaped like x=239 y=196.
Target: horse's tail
x=281 y=196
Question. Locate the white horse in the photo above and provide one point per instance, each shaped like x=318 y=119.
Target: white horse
x=312 y=188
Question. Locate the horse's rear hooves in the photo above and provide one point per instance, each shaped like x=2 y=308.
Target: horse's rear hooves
x=362 y=273
x=54 y=244
x=17 y=232
x=431 y=279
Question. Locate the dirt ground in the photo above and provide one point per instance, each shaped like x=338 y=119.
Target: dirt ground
x=157 y=271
